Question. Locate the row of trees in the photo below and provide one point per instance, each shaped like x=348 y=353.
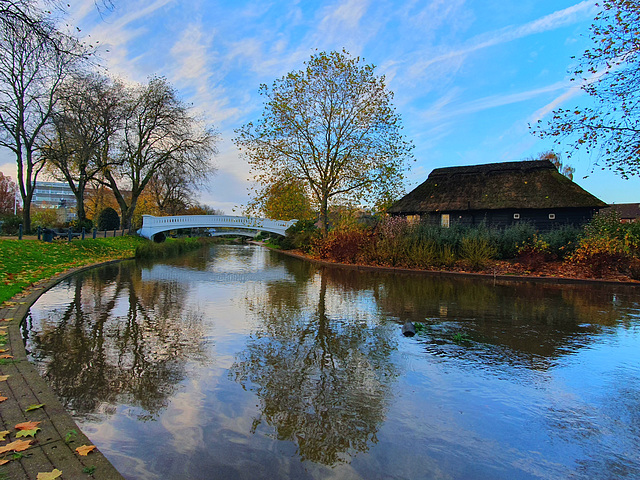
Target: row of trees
x=57 y=113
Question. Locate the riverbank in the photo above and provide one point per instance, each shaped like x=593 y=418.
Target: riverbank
x=550 y=272
x=27 y=262
x=48 y=445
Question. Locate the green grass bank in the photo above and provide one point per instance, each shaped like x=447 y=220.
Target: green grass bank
x=25 y=262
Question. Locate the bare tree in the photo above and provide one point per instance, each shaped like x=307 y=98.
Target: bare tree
x=174 y=185
x=31 y=72
x=158 y=130
x=79 y=144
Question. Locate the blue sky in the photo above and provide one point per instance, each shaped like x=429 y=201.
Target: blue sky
x=468 y=75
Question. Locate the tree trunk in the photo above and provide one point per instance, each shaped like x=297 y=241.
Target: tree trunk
x=324 y=214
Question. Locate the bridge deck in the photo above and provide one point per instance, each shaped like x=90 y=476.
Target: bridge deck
x=153 y=225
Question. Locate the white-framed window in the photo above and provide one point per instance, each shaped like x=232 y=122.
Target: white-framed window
x=444 y=220
x=552 y=216
x=516 y=216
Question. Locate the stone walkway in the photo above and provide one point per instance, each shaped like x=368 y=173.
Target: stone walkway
x=53 y=447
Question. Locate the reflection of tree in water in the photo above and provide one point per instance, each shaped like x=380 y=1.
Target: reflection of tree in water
x=323 y=382
x=120 y=339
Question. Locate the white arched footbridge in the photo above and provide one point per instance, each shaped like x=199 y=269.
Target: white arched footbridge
x=151 y=226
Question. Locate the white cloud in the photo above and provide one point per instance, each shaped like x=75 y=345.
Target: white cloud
x=454 y=58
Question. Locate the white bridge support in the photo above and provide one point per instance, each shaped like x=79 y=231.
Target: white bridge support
x=153 y=225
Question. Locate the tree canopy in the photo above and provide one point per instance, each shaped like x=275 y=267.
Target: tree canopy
x=609 y=73
x=332 y=127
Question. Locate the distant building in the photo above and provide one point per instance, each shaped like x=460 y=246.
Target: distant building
x=500 y=195
x=628 y=212
x=55 y=195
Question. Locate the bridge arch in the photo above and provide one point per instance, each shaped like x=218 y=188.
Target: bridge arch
x=152 y=226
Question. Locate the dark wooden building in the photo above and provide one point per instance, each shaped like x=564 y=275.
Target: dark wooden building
x=628 y=212
x=499 y=194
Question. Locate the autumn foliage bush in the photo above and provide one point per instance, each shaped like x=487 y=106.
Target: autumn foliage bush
x=608 y=246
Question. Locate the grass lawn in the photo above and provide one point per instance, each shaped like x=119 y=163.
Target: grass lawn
x=24 y=262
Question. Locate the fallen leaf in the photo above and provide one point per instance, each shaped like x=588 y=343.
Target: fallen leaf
x=2 y=399
x=34 y=407
x=4 y=350
x=5 y=319
x=3 y=461
x=15 y=446
x=49 y=475
x=27 y=433
x=85 y=449
x=4 y=434
x=27 y=425
x=6 y=356
x=3 y=377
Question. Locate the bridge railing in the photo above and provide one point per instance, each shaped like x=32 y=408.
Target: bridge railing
x=152 y=225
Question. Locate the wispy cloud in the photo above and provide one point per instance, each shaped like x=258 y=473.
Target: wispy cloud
x=549 y=22
x=443 y=109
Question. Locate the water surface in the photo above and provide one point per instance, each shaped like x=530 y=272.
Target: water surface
x=238 y=362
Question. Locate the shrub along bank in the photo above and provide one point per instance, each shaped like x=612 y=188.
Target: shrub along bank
x=603 y=247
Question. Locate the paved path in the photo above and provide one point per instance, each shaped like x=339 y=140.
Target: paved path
x=54 y=445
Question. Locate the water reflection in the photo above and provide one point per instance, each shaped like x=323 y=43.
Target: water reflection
x=323 y=380
x=531 y=323
x=310 y=377
x=116 y=340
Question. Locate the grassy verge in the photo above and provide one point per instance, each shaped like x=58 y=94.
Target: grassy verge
x=25 y=262
x=170 y=248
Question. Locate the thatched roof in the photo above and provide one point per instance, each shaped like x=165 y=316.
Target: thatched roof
x=510 y=185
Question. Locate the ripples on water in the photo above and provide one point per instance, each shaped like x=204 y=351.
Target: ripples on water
x=237 y=362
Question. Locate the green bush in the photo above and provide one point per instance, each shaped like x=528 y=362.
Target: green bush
x=562 y=241
x=10 y=224
x=476 y=252
x=78 y=225
x=301 y=235
x=108 y=219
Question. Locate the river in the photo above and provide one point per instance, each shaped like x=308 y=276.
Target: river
x=239 y=362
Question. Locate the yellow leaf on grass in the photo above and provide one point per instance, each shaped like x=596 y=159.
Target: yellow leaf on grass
x=2 y=399
x=27 y=425
x=3 y=434
x=16 y=446
x=49 y=475
x=2 y=350
x=85 y=449
x=27 y=433
x=5 y=319
x=6 y=356
x=3 y=461
x=3 y=377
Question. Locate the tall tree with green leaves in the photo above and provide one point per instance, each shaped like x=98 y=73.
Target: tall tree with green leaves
x=331 y=126
x=285 y=199
x=609 y=73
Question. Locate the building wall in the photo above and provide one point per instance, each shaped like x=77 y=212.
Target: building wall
x=505 y=218
x=55 y=195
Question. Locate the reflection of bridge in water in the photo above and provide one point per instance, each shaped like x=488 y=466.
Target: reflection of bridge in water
x=153 y=227
x=168 y=273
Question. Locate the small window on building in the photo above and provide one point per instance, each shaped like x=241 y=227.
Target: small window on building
x=516 y=216
x=444 y=220
x=413 y=219
x=552 y=216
